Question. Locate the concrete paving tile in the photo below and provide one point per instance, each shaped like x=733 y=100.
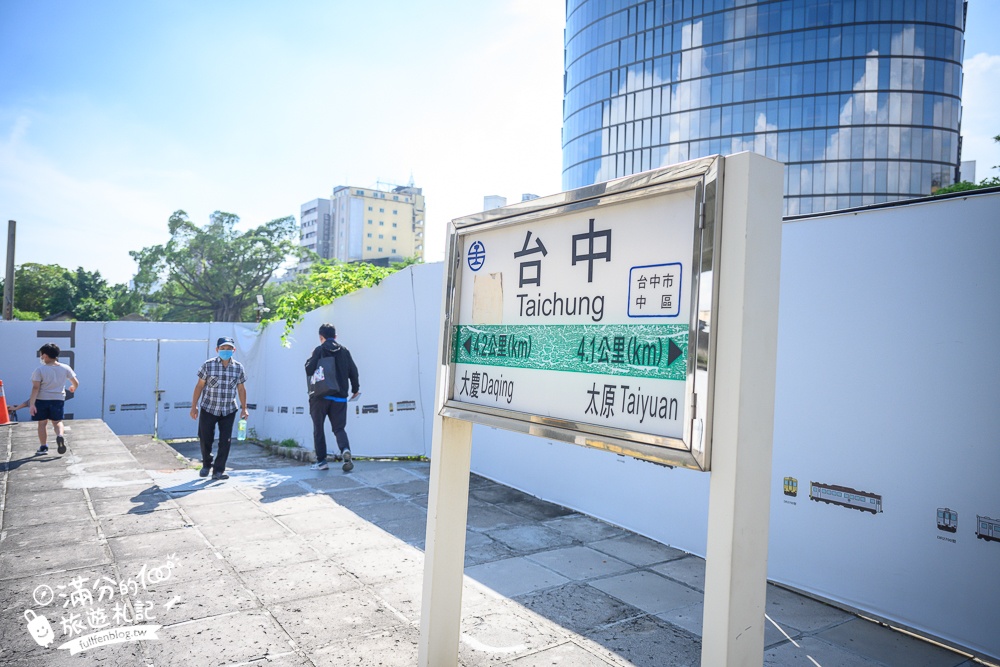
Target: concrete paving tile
x=494 y=493
x=362 y=495
x=335 y=482
x=536 y=509
x=580 y=562
x=44 y=499
x=638 y=550
x=381 y=473
x=530 y=538
x=176 y=600
x=888 y=646
x=412 y=532
x=17 y=564
x=21 y=517
x=299 y=503
x=42 y=593
x=374 y=566
x=191 y=566
x=139 y=524
x=409 y=489
x=567 y=653
x=395 y=510
x=647 y=591
x=480 y=548
x=503 y=633
x=138 y=504
x=293 y=581
x=34 y=537
x=583 y=528
x=349 y=538
x=221 y=640
x=290 y=659
x=330 y=518
x=578 y=607
x=226 y=513
x=321 y=621
x=35 y=484
x=487 y=517
x=208 y=496
x=153 y=546
x=276 y=492
x=647 y=641
x=515 y=576
x=691 y=619
x=810 y=651
x=246 y=556
x=131 y=490
x=689 y=570
x=791 y=610
x=404 y=595
x=264 y=528
x=393 y=647
x=20 y=650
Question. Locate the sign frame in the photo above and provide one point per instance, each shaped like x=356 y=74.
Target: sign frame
x=693 y=450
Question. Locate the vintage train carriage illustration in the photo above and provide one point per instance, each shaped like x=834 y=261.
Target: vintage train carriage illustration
x=846 y=497
x=947 y=519
x=987 y=528
x=791 y=486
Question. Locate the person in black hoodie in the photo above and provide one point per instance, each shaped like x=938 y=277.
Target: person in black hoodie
x=333 y=407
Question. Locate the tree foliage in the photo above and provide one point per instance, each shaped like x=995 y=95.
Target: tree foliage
x=212 y=273
x=325 y=282
x=963 y=186
x=42 y=290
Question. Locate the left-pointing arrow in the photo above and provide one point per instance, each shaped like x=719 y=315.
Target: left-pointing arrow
x=468 y=344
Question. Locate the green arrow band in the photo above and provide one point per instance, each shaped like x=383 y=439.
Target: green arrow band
x=658 y=351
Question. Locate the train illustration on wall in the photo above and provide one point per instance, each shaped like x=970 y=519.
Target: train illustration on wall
x=987 y=528
x=845 y=497
x=947 y=519
x=791 y=486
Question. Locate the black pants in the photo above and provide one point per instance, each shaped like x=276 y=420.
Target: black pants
x=320 y=409
x=206 y=433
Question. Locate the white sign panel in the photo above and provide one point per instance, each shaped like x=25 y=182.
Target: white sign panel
x=580 y=318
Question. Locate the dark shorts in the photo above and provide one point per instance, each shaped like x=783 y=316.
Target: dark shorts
x=48 y=410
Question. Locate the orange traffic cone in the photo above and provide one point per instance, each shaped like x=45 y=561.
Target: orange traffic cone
x=4 y=417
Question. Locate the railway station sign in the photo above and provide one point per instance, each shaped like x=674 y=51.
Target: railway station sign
x=588 y=316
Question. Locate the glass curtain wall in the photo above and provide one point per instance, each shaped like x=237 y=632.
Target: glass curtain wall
x=860 y=99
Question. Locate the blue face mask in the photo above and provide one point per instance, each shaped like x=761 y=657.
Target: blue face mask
x=225 y=355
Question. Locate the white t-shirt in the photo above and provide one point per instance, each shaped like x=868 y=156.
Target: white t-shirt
x=53 y=381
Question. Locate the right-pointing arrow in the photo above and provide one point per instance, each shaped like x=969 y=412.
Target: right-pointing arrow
x=673 y=351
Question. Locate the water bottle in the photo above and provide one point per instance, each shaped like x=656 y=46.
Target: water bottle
x=241 y=432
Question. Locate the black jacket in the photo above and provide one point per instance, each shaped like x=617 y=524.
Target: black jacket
x=346 y=370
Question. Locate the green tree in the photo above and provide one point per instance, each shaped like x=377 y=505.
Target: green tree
x=212 y=273
x=43 y=290
x=325 y=282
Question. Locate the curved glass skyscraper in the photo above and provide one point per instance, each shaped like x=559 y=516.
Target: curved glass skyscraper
x=861 y=99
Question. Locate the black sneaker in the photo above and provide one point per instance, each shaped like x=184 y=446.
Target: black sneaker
x=220 y=475
x=204 y=471
x=44 y=449
x=61 y=441
x=348 y=466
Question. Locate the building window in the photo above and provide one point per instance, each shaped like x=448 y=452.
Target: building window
x=369 y=234
x=394 y=224
x=381 y=223
x=360 y=192
x=393 y=237
x=381 y=236
x=368 y=248
x=369 y=222
x=369 y=208
x=380 y=248
x=394 y=211
x=381 y=210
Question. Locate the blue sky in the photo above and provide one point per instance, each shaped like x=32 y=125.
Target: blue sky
x=114 y=114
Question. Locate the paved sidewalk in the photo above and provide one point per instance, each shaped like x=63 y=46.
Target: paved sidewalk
x=287 y=566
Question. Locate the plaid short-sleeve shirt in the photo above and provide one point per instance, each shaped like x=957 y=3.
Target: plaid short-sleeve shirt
x=219 y=394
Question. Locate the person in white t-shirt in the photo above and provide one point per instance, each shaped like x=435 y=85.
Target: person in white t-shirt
x=48 y=396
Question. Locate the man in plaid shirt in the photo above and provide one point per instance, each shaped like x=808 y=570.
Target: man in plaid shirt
x=220 y=379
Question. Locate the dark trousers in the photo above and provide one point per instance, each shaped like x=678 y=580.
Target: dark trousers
x=320 y=410
x=206 y=433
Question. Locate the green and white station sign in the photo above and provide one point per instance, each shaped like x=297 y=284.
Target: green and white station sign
x=577 y=317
